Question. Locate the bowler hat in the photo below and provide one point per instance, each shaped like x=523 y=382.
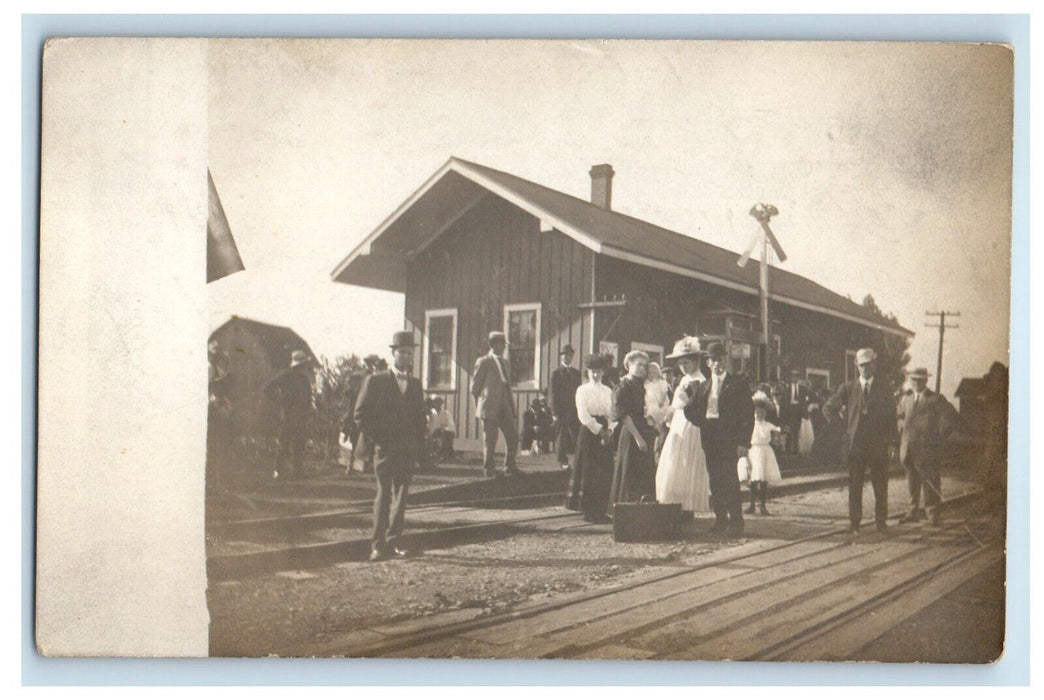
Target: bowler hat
x=716 y=350
x=497 y=336
x=403 y=339
x=919 y=373
x=865 y=355
x=566 y=349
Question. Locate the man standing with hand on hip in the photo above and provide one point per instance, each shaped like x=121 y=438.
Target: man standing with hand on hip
x=495 y=405
x=867 y=409
x=391 y=417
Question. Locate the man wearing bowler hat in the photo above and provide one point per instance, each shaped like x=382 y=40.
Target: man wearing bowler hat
x=495 y=405
x=724 y=412
x=565 y=380
x=926 y=421
x=867 y=410
x=392 y=419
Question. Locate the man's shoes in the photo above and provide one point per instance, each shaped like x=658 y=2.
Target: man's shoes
x=377 y=555
x=853 y=529
x=764 y=510
x=400 y=553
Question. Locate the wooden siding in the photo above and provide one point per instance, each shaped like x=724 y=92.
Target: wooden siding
x=662 y=306
x=492 y=256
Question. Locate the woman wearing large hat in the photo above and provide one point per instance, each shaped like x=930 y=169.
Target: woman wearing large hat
x=681 y=474
x=593 y=467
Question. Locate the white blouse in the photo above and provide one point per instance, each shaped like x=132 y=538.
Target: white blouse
x=687 y=389
x=594 y=400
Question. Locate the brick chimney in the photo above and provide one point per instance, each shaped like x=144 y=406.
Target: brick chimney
x=602 y=186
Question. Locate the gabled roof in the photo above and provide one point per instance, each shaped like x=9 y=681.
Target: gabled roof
x=380 y=259
x=277 y=342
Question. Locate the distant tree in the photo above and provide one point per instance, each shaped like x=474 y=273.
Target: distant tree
x=892 y=355
x=331 y=400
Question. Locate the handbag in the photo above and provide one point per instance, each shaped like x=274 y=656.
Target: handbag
x=743 y=469
x=646 y=521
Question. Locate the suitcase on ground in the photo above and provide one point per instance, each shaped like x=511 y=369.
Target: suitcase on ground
x=646 y=521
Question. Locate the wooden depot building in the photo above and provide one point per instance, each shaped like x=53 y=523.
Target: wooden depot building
x=475 y=249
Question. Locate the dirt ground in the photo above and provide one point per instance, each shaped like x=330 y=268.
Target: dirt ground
x=278 y=613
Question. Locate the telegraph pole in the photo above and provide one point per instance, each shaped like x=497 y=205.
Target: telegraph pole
x=762 y=213
x=942 y=332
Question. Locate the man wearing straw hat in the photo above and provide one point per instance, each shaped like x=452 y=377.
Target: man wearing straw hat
x=867 y=410
x=391 y=417
x=292 y=391
x=926 y=420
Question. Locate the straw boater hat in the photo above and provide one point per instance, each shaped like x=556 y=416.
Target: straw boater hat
x=919 y=373
x=865 y=355
x=688 y=346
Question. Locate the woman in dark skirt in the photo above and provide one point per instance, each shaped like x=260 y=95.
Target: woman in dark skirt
x=593 y=466
x=635 y=473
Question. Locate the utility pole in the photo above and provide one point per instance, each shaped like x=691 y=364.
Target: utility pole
x=942 y=332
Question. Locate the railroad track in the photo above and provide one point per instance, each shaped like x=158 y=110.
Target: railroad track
x=819 y=597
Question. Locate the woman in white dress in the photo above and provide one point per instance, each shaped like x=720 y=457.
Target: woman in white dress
x=681 y=474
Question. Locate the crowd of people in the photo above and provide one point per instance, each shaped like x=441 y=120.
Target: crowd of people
x=687 y=433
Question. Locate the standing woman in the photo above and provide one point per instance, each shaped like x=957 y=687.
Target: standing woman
x=635 y=473
x=681 y=475
x=593 y=467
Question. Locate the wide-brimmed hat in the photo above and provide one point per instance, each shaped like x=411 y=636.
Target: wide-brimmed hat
x=496 y=336
x=919 y=373
x=298 y=357
x=760 y=398
x=595 y=362
x=716 y=349
x=688 y=346
x=403 y=339
x=865 y=355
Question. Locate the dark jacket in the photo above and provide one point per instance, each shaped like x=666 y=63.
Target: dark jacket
x=390 y=420
x=735 y=412
x=925 y=428
x=564 y=383
x=877 y=425
x=292 y=391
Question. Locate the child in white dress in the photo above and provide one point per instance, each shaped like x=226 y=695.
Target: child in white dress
x=763 y=465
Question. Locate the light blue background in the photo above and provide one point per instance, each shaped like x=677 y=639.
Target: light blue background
x=1013 y=669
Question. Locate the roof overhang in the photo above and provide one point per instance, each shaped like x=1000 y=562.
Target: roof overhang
x=380 y=260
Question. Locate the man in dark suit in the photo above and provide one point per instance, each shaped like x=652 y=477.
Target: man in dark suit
x=926 y=421
x=866 y=408
x=391 y=418
x=724 y=412
x=795 y=401
x=292 y=391
x=565 y=380
x=495 y=404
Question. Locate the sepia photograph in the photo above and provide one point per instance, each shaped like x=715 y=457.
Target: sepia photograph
x=550 y=349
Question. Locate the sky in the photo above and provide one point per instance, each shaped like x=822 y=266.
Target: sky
x=890 y=163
